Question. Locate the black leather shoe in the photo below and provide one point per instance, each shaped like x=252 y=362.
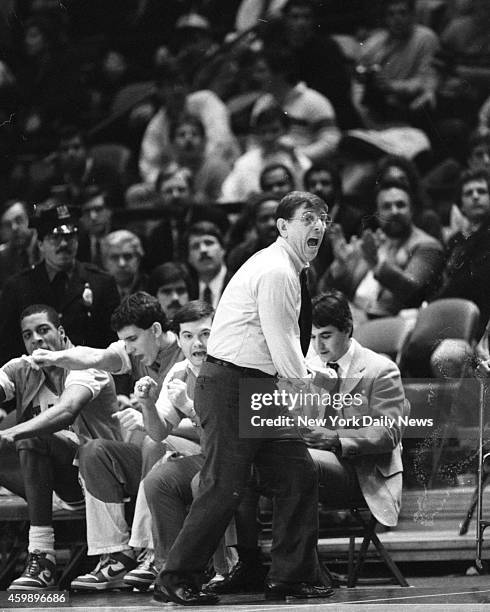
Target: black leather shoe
x=185 y=595
x=296 y=590
x=243 y=578
x=160 y=594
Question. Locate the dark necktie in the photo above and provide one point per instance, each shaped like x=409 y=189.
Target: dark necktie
x=304 y=314
x=97 y=255
x=58 y=285
x=207 y=296
x=335 y=366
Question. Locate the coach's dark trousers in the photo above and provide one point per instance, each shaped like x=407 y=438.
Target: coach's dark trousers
x=284 y=467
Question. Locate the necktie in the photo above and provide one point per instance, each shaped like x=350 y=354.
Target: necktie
x=304 y=320
x=207 y=295
x=58 y=284
x=335 y=366
x=97 y=256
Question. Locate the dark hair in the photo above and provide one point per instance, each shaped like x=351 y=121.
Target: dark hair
x=329 y=167
x=270 y=168
x=204 y=228
x=7 y=205
x=53 y=316
x=269 y=114
x=140 y=309
x=473 y=174
x=293 y=200
x=420 y=199
x=332 y=308
x=186 y=119
x=394 y=184
x=169 y=272
x=192 y=311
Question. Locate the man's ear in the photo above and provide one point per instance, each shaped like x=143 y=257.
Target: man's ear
x=282 y=227
x=157 y=329
x=62 y=333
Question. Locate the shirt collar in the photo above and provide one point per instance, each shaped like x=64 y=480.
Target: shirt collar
x=193 y=368
x=159 y=359
x=297 y=262
x=345 y=361
x=216 y=283
x=51 y=272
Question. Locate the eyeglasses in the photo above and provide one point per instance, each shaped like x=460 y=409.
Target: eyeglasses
x=310 y=217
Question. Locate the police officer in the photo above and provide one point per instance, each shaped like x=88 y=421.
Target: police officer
x=83 y=295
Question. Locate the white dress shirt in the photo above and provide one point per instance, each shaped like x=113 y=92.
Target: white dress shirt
x=256 y=322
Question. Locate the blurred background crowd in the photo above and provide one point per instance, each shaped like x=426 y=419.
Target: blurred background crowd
x=168 y=132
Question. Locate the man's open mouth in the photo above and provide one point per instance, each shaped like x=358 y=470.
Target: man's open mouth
x=312 y=242
x=200 y=354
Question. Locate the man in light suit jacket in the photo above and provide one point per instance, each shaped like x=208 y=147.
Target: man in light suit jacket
x=358 y=464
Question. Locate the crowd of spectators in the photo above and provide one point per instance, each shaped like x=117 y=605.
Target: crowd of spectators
x=194 y=113
x=160 y=137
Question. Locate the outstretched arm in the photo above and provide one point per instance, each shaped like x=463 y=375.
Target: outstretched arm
x=79 y=358
x=58 y=417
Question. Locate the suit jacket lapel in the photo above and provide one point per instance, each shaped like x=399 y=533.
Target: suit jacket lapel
x=356 y=370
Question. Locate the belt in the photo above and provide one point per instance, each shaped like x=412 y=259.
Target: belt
x=246 y=371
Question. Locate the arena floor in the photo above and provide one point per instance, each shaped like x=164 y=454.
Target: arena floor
x=441 y=592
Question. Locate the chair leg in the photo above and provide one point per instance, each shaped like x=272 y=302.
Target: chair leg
x=361 y=557
x=370 y=536
x=77 y=555
x=388 y=560
x=19 y=546
x=350 y=561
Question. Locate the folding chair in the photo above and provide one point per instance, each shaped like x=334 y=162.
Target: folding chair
x=364 y=526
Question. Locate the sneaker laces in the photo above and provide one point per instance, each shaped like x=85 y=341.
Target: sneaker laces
x=33 y=566
x=104 y=561
x=147 y=563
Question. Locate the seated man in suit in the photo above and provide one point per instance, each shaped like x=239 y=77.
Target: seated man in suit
x=363 y=464
x=206 y=259
x=95 y=224
x=397 y=267
x=122 y=253
x=19 y=248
